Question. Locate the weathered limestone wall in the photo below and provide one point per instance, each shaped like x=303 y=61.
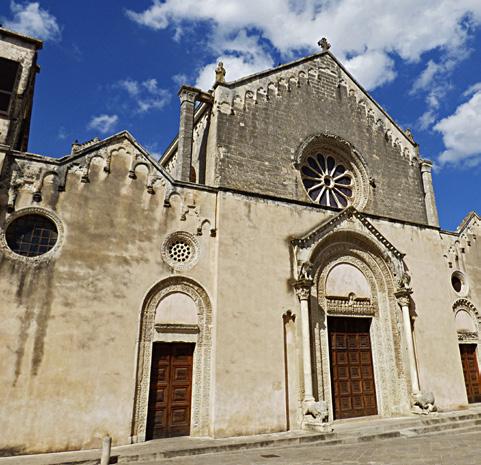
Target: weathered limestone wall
x=254 y=291
x=70 y=325
x=435 y=339
x=261 y=124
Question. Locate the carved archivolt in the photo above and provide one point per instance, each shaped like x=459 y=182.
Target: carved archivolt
x=202 y=355
x=353 y=248
x=467 y=306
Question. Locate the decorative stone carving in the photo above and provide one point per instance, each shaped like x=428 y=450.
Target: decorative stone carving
x=220 y=73
x=303 y=288
x=403 y=297
x=288 y=317
x=324 y=44
x=343 y=156
x=468 y=337
x=423 y=402
x=317 y=410
x=180 y=250
x=354 y=306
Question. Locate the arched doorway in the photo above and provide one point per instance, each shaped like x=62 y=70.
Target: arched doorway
x=359 y=348
x=172 y=393
x=467 y=328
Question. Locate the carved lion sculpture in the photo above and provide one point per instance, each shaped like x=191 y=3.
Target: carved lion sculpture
x=425 y=401
x=318 y=410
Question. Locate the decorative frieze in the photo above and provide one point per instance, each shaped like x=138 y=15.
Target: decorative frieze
x=350 y=306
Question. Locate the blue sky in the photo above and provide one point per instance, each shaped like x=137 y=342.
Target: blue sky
x=109 y=65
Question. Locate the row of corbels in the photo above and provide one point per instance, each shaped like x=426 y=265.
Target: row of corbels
x=402 y=141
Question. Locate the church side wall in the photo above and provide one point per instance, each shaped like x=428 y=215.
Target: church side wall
x=70 y=326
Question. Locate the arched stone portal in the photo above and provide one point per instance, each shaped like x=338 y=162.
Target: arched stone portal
x=346 y=268
x=160 y=320
x=363 y=289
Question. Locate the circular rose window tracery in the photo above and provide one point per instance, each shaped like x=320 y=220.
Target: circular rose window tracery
x=327 y=182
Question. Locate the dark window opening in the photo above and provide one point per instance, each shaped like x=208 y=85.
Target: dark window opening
x=31 y=235
x=456 y=283
x=8 y=77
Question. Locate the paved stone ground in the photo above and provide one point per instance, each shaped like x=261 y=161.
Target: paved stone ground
x=440 y=449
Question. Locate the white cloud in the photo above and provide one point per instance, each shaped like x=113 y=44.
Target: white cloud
x=372 y=69
x=372 y=30
x=434 y=82
x=103 y=123
x=146 y=95
x=461 y=132
x=30 y=19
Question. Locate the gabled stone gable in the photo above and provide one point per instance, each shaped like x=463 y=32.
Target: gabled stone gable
x=261 y=121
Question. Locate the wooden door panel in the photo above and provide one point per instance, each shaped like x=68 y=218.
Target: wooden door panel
x=353 y=387
x=472 y=377
x=170 y=390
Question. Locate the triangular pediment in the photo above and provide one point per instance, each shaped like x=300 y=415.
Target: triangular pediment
x=350 y=219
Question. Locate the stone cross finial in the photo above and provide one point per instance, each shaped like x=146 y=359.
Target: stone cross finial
x=324 y=44
x=220 y=72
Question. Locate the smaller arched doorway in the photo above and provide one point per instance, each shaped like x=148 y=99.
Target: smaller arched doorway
x=173 y=367
x=170 y=392
x=466 y=322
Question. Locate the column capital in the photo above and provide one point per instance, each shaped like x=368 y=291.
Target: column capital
x=403 y=296
x=426 y=165
x=303 y=288
x=188 y=94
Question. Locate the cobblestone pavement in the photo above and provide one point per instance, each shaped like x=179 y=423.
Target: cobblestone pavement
x=442 y=449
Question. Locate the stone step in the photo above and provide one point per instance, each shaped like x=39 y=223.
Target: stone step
x=345 y=432
x=441 y=427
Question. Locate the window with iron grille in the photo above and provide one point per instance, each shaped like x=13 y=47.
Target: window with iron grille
x=8 y=77
x=31 y=235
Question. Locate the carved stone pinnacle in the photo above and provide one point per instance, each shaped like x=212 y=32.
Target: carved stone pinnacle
x=324 y=44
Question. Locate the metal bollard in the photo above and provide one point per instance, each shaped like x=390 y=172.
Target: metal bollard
x=106 y=443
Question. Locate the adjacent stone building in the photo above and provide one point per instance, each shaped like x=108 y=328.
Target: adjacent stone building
x=281 y=267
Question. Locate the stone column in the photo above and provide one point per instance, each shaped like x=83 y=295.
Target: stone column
x=404 y=302
x=186 y=130
x=430 y=201
x=303 y=291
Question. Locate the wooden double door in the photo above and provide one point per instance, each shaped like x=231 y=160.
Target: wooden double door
x=471 y=371
x=170 y=390
x=352 y=374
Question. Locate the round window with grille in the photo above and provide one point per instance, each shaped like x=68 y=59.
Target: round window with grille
x=327 y=182
x=180 y=250
x=31 y=235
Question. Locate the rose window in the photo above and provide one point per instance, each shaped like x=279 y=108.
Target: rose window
x=180 y=251
x=327 y=182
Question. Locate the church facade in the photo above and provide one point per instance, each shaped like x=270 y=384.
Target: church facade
x=280 y=268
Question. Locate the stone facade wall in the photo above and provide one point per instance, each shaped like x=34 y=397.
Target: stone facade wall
x=71 y=323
